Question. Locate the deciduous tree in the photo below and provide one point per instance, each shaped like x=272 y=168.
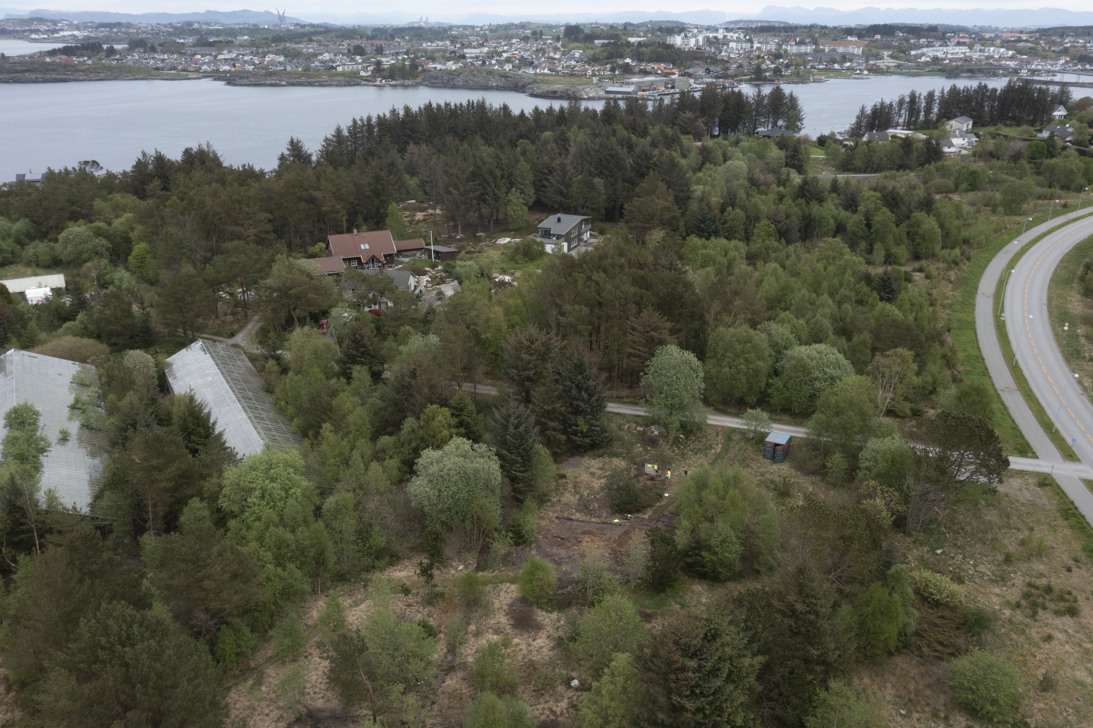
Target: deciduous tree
x=738 y=362
x=673 y=383
x=448 y=482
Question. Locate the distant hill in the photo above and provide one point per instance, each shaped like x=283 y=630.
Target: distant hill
x=230 y=17
x=995 y=17
x=1030 y=18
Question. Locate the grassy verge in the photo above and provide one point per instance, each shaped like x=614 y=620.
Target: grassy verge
x=1063 y=306
x=1073 y=518
x=966 y=343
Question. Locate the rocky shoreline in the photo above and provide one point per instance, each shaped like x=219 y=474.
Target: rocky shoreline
x=37 y=72
x=14 y=71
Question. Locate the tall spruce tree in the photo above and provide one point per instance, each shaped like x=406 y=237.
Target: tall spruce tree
x=584 y=401
x=515 y=435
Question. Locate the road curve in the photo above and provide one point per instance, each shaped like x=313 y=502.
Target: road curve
x=1038 y=355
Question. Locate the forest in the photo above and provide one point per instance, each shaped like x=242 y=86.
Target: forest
x=1018 y=103
x=364 y=576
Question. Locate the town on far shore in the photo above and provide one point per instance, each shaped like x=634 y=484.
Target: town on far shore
x=591 y=60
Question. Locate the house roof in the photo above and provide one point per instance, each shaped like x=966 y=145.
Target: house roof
x=1061 y=131
x=561 y=224
x=51 y=385
x=876 y=136
x=775 y=131
x=221 y=377
x=403 y=246
x=404 y=279
x=377 y=243
x=373 y=244
x=331 y=265
x=963 y=120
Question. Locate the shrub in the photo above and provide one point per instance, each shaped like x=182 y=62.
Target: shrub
x=526 y=250
x=757 y=424
x=594 y=578
x=538 y=582
x=986 y=685
x=490 y=711
x=492 y=670
x=978 y=621
x=289 y=639
x=332 y=617
x=936 y=588
x=842 y=706
x=898 y=581
x=501 y=548
x=524 y=526
x=663 y=561
x=74 y=348
x=879 y=618
x=629 y=494
x=234 y=644
x=611 y=627
x=727 y=524
x=471 y=588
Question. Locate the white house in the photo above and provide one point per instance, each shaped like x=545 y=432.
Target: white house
x=960 y=123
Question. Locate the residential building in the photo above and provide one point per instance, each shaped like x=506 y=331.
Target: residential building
x=846 y=47
x=960 y=123
x=376 y=249
x=569 y=230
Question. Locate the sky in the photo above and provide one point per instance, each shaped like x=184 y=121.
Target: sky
x=440 y=10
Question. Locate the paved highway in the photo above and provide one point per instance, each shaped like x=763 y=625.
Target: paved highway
x=1025 y=310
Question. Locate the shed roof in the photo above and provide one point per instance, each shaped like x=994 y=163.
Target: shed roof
x=221 y=377
x=779 y=438
x=51 y=385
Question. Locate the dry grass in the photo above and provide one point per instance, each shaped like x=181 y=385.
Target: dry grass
x=994 y=546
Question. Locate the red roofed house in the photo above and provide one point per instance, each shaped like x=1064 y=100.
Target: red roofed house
x=376 y=249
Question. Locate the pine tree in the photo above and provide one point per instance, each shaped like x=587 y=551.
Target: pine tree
x=700 y=671
x=362 y=349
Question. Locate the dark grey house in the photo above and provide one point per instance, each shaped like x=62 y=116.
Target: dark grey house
x=569 y=230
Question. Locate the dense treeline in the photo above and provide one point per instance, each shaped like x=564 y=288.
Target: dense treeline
x=91 y=48
x=1017 y=103
x=728 y=271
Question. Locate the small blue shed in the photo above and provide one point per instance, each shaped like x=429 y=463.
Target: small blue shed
x=776 y=447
